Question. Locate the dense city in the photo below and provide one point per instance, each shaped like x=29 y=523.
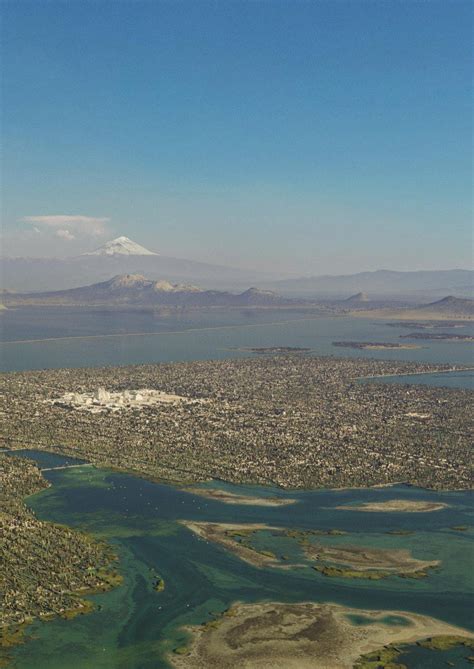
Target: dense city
x=291 y=421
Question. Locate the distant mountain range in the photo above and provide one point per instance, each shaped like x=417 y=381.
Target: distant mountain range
x=381 y=283
x=124 y=256
x=448 y=308
x=119 y=256
x=135 y=290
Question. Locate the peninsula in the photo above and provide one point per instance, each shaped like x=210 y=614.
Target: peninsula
x=47 y=569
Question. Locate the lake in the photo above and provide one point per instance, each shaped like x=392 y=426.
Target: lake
x=34 y=338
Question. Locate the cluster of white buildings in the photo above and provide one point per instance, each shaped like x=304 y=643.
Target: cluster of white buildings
x=104 y=400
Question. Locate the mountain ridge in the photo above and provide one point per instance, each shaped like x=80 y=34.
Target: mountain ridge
x=136 y=290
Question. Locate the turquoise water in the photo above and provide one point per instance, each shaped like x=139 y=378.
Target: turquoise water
x=136 y=626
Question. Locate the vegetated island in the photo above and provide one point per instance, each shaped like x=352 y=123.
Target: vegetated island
x=396 y=506
x=306 y=636
x=340 y=560
x=288 y=421
x=438 y=336
x=345 y=561
x=373 y=345
x=266 y=350
x=47 y=569
x=232 y=498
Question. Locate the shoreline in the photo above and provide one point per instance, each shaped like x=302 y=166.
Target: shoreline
x=182 y=484
x=396 y=374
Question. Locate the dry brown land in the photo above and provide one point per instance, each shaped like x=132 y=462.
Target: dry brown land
x=232 y=498
x=299 y=636
x=224 y=534
x=396 y=506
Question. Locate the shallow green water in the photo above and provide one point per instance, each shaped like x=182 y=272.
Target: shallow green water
x=134 y=626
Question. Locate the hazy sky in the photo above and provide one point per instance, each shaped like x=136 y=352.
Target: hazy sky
x=314 y=137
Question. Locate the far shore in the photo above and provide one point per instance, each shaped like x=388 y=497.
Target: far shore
x=410 y=315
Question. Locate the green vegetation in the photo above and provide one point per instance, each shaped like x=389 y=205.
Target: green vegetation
x=446 y=642
x=239 y=533
x=181 y=650
x=380 y=659
x=268 y=554
x=10 y=635
x=340 y=572
x=369 y=574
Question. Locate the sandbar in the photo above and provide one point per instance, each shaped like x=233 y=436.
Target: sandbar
x=233 y=498
x=395 y=505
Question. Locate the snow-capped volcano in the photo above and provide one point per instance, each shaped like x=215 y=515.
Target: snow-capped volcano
x=121 y=246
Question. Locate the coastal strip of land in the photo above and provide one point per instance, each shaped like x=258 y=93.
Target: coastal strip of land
x=47 y=569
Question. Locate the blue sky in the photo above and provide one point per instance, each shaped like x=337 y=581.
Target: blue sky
x=314 y=137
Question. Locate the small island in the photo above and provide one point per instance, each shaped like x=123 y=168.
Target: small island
x=373 y=345
x=346 y=561
x=266 y=350
x=395 y=506
x=232 y=498
x=438 y=336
